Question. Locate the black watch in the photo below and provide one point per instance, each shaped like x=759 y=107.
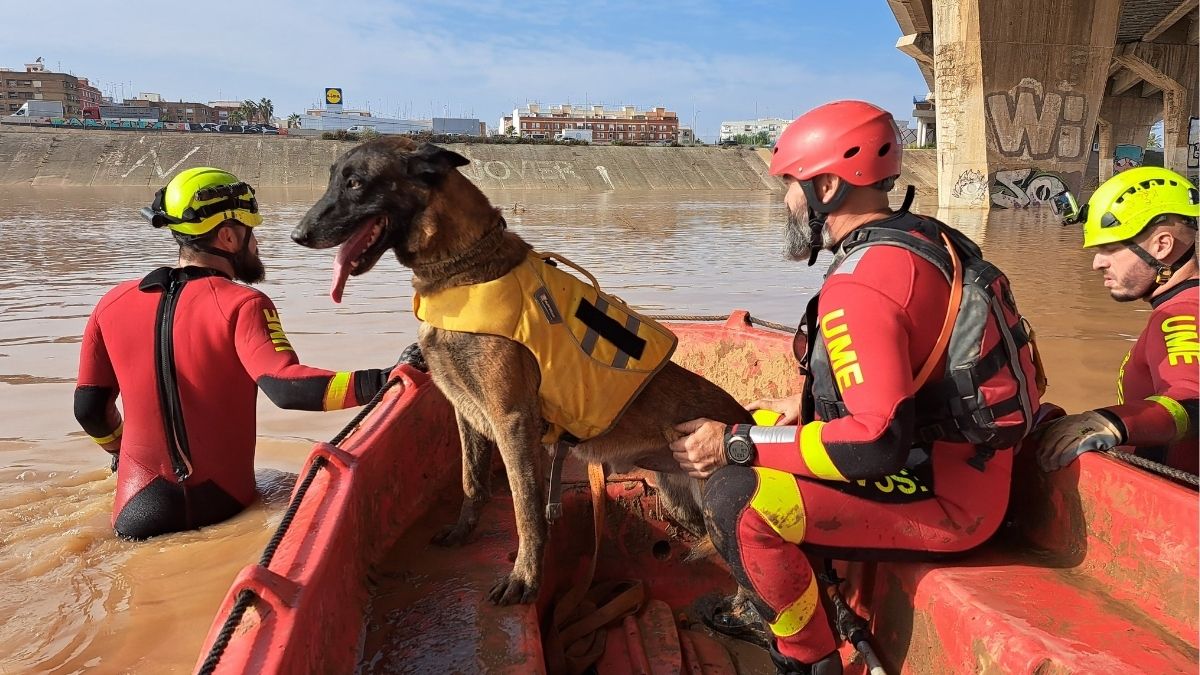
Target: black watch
x=739 y=449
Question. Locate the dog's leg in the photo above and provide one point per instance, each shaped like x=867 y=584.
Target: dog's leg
x=477 y=484
x=681 y=495
x=518 y=437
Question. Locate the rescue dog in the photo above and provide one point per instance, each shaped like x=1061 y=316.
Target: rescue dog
x=390 y=193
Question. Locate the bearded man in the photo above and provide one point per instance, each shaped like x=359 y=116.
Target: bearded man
x=187 y=348
x=871 y=461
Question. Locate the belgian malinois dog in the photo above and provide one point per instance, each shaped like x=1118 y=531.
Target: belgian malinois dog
x=390 y=193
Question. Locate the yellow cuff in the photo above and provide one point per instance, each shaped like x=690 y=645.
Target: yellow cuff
x=816 y=457
x=1178 y=414
x=335 y=392
x=104 y=440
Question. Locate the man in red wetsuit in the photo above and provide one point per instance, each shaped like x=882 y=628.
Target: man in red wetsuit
x=187 y=349
x=854 y=471
x=1142 y=225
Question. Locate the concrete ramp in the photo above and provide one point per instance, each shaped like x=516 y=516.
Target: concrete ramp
x=60 y=157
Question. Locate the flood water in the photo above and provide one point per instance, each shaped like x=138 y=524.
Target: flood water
x=75 y=598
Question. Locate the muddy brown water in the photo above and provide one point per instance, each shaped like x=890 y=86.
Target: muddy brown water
x=74 y=598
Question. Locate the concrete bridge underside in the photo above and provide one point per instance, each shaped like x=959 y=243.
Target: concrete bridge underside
x=1022 y=87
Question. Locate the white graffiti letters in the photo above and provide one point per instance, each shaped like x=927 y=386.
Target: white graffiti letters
x=1030 y=123
x=1022 y=187
x=153 y=155
x=501 y=170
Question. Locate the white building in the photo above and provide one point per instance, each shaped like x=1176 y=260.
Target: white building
x=773 y=126
x=327 y=120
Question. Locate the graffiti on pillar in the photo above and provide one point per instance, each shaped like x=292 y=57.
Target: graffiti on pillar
x=971 y=187
x=1018 y=188
x=1126 y=157
x=1193 y=161
x=1031 y=122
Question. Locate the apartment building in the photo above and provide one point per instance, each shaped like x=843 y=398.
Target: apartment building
x=35 y=83
x=625 y=124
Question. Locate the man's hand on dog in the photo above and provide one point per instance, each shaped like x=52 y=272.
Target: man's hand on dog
x=701 y=450
x=788 y=408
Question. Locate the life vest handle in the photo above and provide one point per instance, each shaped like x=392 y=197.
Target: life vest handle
x=943 y=341
x=562 y=259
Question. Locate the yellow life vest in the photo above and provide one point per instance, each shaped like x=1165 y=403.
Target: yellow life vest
x=595 y=354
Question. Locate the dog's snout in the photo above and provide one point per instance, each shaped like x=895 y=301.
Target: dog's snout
x=300 y=235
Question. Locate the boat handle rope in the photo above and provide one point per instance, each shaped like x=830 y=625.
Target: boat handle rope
x=246 y=596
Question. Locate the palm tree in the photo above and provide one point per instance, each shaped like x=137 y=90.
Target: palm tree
x=237 y=116
x=267 y=109
x=293 y=120
x=250 y=110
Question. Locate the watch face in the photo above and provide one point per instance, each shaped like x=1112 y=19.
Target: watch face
x=738 y=450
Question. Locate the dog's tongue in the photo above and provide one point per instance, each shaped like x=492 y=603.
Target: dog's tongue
x=347 y=254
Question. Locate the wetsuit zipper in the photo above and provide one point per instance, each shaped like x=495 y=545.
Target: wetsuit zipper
x=168 y=386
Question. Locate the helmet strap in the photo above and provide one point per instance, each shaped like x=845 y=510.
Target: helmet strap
x=818 y=211
x=816 y=223
x=834 y=203
x=1162 y=271
x=199 y=244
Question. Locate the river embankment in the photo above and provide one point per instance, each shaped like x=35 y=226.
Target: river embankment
x=46 y=156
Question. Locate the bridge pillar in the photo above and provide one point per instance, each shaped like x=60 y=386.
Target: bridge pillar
x=1169 y=68
x=1018 y=94
x=1125 y=123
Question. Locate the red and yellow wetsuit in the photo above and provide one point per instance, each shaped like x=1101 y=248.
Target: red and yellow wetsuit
x=1157 y=387
x=187 y=349
x=863 y=481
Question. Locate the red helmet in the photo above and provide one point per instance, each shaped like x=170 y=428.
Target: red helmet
x=853 y=140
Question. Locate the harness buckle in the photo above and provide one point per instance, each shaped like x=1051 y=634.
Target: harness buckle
x=982 y=456
x=558 y=455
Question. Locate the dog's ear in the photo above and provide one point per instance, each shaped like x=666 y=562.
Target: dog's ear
x=431 y=162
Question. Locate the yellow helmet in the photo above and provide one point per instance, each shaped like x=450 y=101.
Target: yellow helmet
x=199 y=199
x=1129 y=201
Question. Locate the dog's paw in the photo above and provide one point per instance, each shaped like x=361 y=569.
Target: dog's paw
x=453 y=535
x=513 y=589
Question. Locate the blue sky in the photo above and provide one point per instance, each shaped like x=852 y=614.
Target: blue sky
x=724 y=60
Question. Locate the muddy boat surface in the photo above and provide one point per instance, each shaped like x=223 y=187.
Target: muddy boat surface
x=1094 y=571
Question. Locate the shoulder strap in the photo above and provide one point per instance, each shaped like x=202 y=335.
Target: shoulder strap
x=943 y=341
x=899 y=232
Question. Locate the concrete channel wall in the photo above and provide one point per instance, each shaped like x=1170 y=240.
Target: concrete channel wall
x=59 y=157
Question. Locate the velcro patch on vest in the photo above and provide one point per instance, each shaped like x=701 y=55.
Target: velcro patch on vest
x=610 y=329
x=850 y=263
x=545 y=302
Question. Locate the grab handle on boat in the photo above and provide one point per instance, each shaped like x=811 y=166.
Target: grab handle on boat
x=275 y=589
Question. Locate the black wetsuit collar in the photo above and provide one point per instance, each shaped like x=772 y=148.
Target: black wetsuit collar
x=161 y=277
x=1158 y=300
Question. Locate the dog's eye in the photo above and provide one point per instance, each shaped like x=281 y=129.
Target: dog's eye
x=353 y=183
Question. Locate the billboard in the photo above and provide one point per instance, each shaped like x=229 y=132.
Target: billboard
x=333 y=98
